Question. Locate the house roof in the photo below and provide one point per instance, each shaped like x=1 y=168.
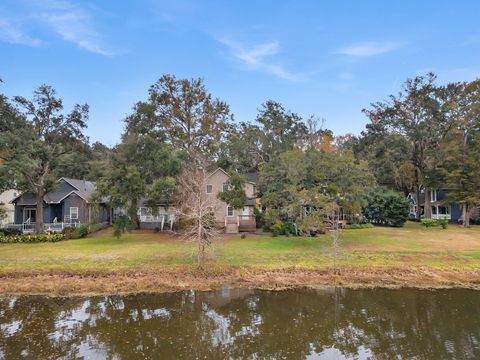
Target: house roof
x=82 y=188
x=252 y=177
x=216 y=170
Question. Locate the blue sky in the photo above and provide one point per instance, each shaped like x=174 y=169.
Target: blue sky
x=326 y=58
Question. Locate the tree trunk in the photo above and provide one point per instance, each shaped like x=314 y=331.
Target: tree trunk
x=132 y=213
x=201 y=247
x=39 y=212
x=464 y=214
x=427 y=207
x=468 y=212
x=418 y=212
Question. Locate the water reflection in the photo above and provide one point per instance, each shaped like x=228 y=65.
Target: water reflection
x=246 y=324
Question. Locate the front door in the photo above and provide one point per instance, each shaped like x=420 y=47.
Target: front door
x=29 y=214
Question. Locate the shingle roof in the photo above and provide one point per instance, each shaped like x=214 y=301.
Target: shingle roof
x=82 y=188
x=85 y=188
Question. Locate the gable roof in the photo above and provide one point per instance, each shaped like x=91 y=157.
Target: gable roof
x=82 y=188
x=215 y=171
x=251 y=177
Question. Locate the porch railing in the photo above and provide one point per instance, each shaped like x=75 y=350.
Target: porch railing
x=441 y=216
x=49 y=227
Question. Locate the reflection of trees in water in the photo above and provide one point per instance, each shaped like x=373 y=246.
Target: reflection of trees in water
x=245 y=324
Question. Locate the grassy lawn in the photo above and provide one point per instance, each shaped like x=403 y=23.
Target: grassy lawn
x=413 y=245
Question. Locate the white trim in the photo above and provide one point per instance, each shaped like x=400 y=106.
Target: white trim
x=218 y=169
x=68 y=182
x=70 y=193
x=70 y=212
x=28 y=208
x=433 y=196
x=233 y=211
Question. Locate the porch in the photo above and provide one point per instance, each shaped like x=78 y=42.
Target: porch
x=150 y=219
x=240 y=223
x=29 y=227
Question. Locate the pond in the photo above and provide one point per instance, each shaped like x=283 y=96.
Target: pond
x=245 y=324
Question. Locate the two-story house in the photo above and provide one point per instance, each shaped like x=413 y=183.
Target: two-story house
x=233 y=220
x=440 y=208
x=228 y=218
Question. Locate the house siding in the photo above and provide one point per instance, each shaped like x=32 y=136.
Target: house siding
x=5 y=198
x=217 y=179
x=455 y=208
x=73 y=200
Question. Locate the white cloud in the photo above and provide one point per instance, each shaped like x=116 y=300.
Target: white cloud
x=68 y=20
x=258 y=58
x=369 y=48
x=13 y=33
x=74 y=26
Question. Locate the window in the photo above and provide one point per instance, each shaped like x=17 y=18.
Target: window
x=209 y=189
x=29 y=215
x=74 y=213
x=226 y=186
x=433 y=195
x=444 y=210
x=229 y=211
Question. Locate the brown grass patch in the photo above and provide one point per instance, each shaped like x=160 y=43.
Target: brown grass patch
x=158 y=281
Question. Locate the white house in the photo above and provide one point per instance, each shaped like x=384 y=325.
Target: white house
x=5 y=198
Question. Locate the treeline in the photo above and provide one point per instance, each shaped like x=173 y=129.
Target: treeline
x=423 y=137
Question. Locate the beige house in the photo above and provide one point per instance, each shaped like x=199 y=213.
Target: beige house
x=227 y=218
x=5 y=201
x=233 y=220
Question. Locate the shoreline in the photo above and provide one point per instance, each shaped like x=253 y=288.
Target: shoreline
x=127 y=282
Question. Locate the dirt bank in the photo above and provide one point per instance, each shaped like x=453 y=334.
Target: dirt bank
x=156 y=280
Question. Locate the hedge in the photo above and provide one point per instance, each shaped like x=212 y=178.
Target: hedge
x=31 y=238
x=359 y=226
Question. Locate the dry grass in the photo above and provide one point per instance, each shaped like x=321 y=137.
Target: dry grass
x=147 y=261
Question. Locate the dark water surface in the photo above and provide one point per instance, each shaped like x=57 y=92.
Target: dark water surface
x=245 y=324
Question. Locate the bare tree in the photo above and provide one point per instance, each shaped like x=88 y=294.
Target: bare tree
x=196 y=208
x=335 y=234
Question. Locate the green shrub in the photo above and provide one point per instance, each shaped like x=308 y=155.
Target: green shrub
x=443 y=223
x=277 y=228
x=429 y=222
x=82 y=231
x=31 y=238
x=270 y=217
x=69 y=233
x=386 y=207
x=359 y=226
x=92 y=228
x=182 y=224
x=243 y=236
x=433 y=222
x=121 y=225
x=475 y=221
x=10 y=231
x=259 y=218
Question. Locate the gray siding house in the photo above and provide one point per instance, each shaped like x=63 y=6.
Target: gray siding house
x=68 y=203
x=440 y=208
